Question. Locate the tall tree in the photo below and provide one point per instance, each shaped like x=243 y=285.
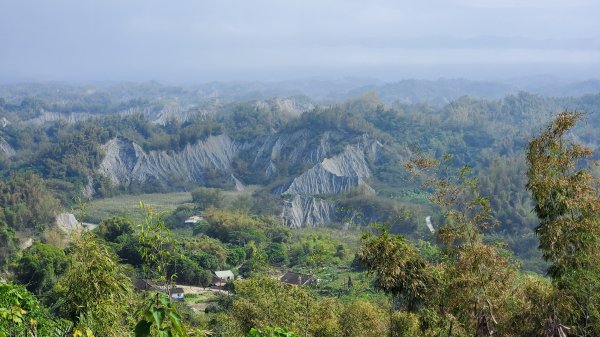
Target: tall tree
x=568 y=206
x=95 y=290
x=566 y=199
x=477 y=276
x=399 y=269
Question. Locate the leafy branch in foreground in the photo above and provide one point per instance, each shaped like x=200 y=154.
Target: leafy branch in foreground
x=161 y=317
x=22 y=315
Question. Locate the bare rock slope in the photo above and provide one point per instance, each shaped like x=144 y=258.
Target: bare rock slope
x=334 y=175
x=307 y=211
x=6 y=148
x=305 y=201
x=126 y=162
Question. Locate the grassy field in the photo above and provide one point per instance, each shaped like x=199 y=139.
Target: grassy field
x=199 y=301
x=161 y=202
x=130 y=205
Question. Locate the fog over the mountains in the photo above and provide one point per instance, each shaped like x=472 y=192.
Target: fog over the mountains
x=198 y=41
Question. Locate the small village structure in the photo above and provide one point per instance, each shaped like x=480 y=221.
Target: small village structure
x=193 y=220
x=146 y=285
x=221 y=277
x=298 y=279
x=176 y=293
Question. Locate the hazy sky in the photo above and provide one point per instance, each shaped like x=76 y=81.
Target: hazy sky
x=197 y=41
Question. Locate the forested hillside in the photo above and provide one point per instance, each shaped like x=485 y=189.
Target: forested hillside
x=284 y=180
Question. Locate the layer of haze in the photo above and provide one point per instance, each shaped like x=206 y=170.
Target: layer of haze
x=201 y=40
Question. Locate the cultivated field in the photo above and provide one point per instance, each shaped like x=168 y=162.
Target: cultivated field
x=161 y=202
x=130 y=205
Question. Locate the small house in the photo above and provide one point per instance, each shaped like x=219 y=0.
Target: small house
x=220 y=277
x=298 y=279
x=193 y=220
x=177 y=294
x=146 y=285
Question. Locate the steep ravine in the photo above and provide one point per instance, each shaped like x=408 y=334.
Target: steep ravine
x=304 y=197
x=307 y=211
x=306 y=206
x=126 y=162
x=6 y=148
x=333 y=175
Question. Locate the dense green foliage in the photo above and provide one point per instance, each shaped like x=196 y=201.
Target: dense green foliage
x=21 y=314
x=94 y=290
x=25 y=205
x=160 y=318
x=25 y=202
x=270 y=332
x=206 y=197
x=112 y=228
x=40 y=266
x=8 y=242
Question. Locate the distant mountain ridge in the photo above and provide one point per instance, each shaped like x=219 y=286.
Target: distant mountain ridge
x=440 y=91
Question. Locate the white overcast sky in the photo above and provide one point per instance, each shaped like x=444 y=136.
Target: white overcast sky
x=201 y=40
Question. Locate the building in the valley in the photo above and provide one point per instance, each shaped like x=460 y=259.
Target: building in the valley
x=193 y=220
x=220 y=277
x=298 y=279
x=176 y=293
